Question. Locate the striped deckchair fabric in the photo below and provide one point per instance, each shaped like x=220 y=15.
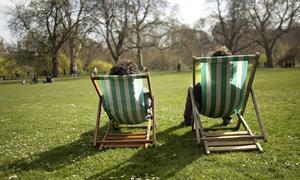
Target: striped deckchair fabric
x=123 y=98
x=225 y=89
x=223 y=85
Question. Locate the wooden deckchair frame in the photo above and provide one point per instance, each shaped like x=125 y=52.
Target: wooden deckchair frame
x=229 y=141
x=133 y=139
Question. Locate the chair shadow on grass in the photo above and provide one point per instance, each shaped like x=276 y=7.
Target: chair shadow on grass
x=173 y=153
x=58 y=157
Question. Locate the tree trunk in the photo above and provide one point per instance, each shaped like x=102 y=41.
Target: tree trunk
x=140 y=59
x=72 y=56
x=139 y=51
x=55 y=70
x=117 y=57
x=269 y=57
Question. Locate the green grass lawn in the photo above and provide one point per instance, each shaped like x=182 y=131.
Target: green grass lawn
x=46 y=132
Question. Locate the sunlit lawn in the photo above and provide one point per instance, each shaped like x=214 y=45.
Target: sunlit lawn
x=46 y=132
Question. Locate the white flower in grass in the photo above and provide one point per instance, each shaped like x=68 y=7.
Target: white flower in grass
x=12 y=177
x=123 y=175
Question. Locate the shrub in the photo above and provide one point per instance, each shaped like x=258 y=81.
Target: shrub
x=102 y=66
x=262 y=60
x=64 y=63
x=79 y=65
x=26 y=70
x=3 y=71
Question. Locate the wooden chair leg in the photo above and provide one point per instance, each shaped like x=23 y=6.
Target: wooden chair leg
x=246 y=126
x=106 y=133
x=148 y=133
x=248 y=90
x=238 y=125
x=258 y=115
x=154 y=131
x=96 y=134
x=200 y=134
x=193 y=124
x=197 y=133
x=197 y=123
x=153 y=121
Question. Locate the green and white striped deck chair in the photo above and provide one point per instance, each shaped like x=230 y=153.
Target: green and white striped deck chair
x=225 y=88
x=122 y=98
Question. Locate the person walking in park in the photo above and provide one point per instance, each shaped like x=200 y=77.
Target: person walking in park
x=178 y=66
x=75 y=69
x=35 y=79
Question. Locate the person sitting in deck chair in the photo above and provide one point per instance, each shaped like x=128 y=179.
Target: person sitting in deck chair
x=187 y=121
x=128 y=105
x=127 y=67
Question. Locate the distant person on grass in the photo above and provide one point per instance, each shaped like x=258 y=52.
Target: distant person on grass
x=75 y=69
x=35 y=79
x=95 y=71
x=127 y=67
x=187 y=121
x=178 y=66
x=48 y=78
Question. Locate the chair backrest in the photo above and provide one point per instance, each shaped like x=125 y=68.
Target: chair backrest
x=123 y=97
x=223 y=84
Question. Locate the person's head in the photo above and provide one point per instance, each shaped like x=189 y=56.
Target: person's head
x=124 y=67
x=145 y=69
x=221 y=51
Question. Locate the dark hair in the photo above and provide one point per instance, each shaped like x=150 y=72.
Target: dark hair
x=221 y=51
x=123 y=67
